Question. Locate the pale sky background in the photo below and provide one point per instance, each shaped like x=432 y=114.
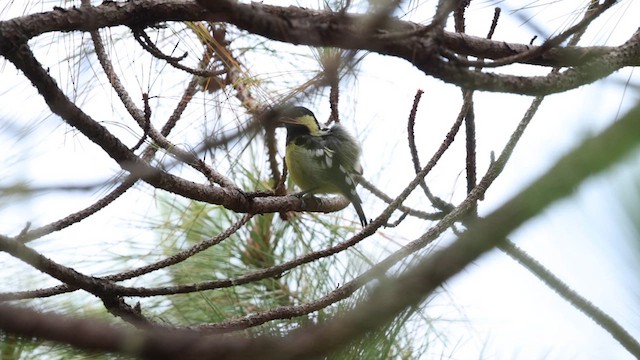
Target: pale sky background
x=495 y=309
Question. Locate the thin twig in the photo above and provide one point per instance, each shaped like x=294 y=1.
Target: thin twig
x=172 y=260
x=147 y=44
x=546 y=46
x=147 y=122
x=470 y=137
x=403 y=208
x=435 y=201
x=128 y=182
x=494 y=23
x=331 y=66
x=576 y=300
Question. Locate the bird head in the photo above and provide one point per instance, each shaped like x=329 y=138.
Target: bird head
x=299 y=120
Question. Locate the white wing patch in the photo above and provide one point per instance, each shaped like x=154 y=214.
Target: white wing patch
x=358 y=168
x=324 y=157
x=328 y=161
x=348 y=180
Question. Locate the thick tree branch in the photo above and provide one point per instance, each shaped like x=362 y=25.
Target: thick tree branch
x=419 y=47
x=412 y=42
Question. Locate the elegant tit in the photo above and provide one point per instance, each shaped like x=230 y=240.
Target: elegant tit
x=321 y=160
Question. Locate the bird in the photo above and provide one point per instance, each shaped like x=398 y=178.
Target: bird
x=321 y=160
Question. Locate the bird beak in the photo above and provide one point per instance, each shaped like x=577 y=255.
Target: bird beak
x=276 y=118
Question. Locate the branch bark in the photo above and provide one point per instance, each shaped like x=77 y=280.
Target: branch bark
x=410 y=41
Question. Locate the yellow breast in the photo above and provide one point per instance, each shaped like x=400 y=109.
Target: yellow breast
x=309 y=174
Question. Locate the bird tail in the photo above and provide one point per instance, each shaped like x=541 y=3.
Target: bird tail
x=357 y=204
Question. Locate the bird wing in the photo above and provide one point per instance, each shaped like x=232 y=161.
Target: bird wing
x=337 y=138
x=336 y=152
